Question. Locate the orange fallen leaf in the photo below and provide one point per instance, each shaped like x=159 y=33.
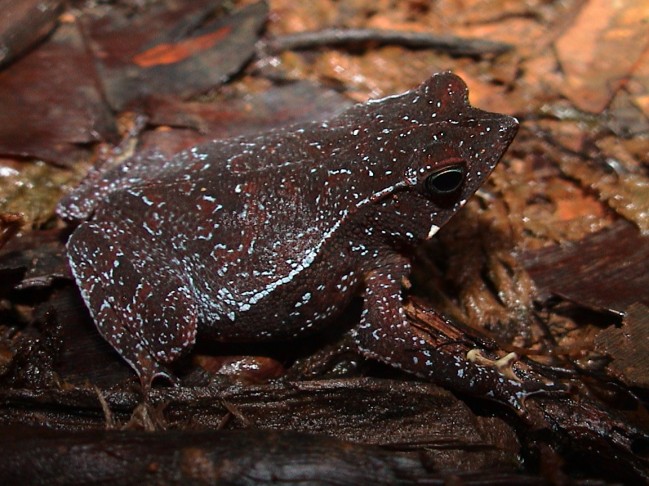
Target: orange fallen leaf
x=172 y=53
x=601 y=49
x=569 y=209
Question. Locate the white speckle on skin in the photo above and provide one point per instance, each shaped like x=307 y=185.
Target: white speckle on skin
x=432 y=231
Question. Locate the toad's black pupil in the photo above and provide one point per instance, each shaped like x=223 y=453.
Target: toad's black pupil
x=445 y=181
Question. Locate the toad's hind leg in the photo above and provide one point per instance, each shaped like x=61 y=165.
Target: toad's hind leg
x=146 y=313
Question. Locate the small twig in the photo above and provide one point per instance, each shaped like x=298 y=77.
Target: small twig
x=108 y=414
x=10 y=224
x=236 y=413
x=455 y=46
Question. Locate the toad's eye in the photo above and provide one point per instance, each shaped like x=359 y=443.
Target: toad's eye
x=445 y=181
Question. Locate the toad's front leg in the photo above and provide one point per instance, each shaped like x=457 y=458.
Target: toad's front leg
x=384 y=333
